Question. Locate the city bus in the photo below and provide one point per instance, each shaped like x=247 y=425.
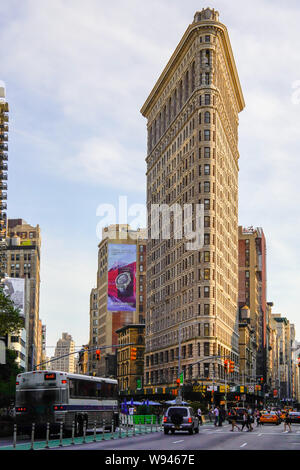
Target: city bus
x=56 y=397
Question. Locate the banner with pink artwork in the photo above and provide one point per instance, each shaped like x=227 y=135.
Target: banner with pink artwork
x=121 y=294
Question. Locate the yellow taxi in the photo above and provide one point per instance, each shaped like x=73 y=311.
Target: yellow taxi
x=270 y=417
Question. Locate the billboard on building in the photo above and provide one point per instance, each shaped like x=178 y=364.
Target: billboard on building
x=15 y=289
x=121 y=295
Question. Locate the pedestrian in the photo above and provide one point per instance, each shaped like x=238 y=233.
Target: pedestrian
x=210 y=414
x=222 y=416
x=287 y=422
x=216 y=413
x=258 y=415
x=199 y=412
x=233 y=420
x=249 y=421
x=245 y=421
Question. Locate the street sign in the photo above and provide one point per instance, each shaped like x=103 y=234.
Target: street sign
x=251 y=389
x=181 y=378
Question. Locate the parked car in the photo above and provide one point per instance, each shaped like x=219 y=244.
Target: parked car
x=180 y=418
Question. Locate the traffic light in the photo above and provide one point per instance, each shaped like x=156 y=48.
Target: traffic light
x=261 y=380
x=299 y=361
x=231 y=366
x=178 y=382
x=98 y=354
x=226 y=365
x=133 y=354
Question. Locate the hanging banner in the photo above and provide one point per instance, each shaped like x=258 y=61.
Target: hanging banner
x=15 y=289
x=121 y=295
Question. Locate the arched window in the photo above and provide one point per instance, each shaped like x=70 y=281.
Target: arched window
x=207 y=117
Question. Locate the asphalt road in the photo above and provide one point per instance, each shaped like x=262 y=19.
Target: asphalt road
x=267 y=437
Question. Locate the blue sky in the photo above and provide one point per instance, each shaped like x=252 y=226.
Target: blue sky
x=76 y=76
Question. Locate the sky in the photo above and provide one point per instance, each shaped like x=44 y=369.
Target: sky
x=76 y=76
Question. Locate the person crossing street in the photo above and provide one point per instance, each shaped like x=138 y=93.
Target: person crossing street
x=199 y=412
x=233 y=421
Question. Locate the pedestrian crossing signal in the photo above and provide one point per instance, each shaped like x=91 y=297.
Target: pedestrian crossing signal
x=98 y=354
x=178 y=382
x=226 y=365
x=231 y=366
x=133 y=354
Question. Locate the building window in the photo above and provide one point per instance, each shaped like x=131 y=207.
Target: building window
x=207 y=169
x=206 y=309
x=206 y=221
x=207 y=38
x=207 y=134
x=206 y=291
x=206 y=239
x=206 y=152
x=207 y=99
x=206 y=349
x=206 y=370
x=206 y=186
x=206 y=256
x=206 y=329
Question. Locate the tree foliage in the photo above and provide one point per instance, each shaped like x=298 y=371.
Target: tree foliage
x=8 y=374
x=10 y=319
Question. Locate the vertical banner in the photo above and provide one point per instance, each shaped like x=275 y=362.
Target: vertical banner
x=15 y=289
x=121 y=295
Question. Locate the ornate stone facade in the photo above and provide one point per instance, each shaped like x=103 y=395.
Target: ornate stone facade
x=192 y=122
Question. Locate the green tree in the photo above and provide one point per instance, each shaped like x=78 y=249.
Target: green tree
x=8 y=374
x=10 y=319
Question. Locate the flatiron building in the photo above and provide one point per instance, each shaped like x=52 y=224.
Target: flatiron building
x=192 y=158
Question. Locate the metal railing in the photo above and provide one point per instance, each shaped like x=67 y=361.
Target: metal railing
x=127 y=428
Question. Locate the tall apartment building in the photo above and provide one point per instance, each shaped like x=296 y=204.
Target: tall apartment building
x=23 y=261
x=272 y=380
x=285 y=355
x=247 y=347
x=252 y=288
x=120 y=296
x=192 y=123
x=65 y=346
x=4 y=109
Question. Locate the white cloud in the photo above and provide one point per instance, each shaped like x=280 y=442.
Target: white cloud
x=108 y=164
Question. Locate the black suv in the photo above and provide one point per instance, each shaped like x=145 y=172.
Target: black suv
x=180 y=418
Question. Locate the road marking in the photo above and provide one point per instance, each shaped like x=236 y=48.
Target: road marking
x=176 y=442
x=243 y=445
x=260 y=434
